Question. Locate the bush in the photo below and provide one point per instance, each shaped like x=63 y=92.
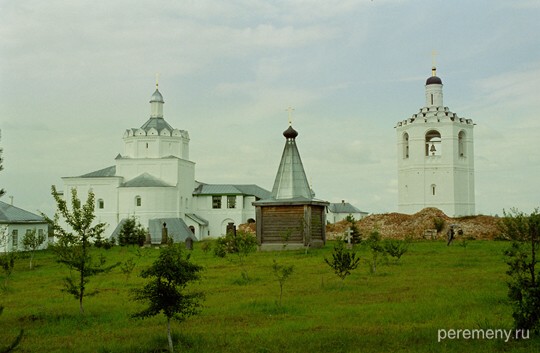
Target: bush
x=241 y=244
x=132 y=233
x=395 y=248
x=439 y=224
x=343 y=260
x=524 y=283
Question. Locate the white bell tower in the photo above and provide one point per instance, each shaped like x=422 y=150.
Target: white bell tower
x=435 y=157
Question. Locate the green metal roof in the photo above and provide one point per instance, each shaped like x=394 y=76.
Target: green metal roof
x=197 y=219
x=12 y=214
x=291 y=181
x=145 y=180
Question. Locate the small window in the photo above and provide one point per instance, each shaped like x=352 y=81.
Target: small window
x=138 y=201
x=231 y=201
x=216 y=201
x=15 y=238
x=101 y=204
x=433 y=189
x=461 y=144
x=40 y=232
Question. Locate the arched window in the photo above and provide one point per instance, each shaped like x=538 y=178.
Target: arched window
x=433 y=189
x=433 y=143
x=405 y=145
x=461 y=144
x=138 y=201
x=101 y=204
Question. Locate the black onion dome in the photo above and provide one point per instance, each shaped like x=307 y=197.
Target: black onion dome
x=290 y=133
x=433 y=80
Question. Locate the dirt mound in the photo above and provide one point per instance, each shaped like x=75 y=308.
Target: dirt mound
x=428 y=223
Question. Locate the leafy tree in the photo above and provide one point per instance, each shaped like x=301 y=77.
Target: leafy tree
x=132 y=233
x=524 y=283
x=32 y=241
x=377 y=249
x=343 y=260
x=170 y=274
x=13 y=344
x=282 y=273
x=73 y=248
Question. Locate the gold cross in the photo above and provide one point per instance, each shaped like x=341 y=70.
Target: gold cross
x=290 y=110
x=433 y=58
x=157 y=79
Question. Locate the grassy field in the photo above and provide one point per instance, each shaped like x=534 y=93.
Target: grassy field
x=401 y=308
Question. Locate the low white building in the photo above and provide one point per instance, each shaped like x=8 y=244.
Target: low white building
x=338 y=211
x=154 y=181
x=15 y=223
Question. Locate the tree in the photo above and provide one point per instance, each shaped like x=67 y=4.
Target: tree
x=356 y=236
x=32 y=241
x=132 y=233
x=7 y=258
x=377 y=248
x=282 y=273
x=73 y=248
x=343 y=260
x=524 y=283
x=170 y=274
x=395 y=248
x=7 y=263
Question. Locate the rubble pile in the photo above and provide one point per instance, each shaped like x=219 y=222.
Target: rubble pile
x=419 y=225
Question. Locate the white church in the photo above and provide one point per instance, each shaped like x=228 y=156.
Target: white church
x=154 y=181
x=436 y=157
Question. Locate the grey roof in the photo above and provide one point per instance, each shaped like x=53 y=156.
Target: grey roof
x=176 y=229
x=291 y=181
x=145 y=180
x=343 y=207
x=105 y=172
x=156 y=123
x=197 y=219
x=232 y=189
x=12 y=214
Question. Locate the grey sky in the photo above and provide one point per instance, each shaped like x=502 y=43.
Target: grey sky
x=74 y=75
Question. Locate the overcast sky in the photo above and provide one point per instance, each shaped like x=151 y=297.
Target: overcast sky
x=75 y=74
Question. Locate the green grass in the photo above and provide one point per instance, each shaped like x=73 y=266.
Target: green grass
x=398 y=309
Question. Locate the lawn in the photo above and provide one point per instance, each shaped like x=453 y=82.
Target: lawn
x=401 y=308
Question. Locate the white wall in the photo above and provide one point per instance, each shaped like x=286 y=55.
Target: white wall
x=7 y=235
